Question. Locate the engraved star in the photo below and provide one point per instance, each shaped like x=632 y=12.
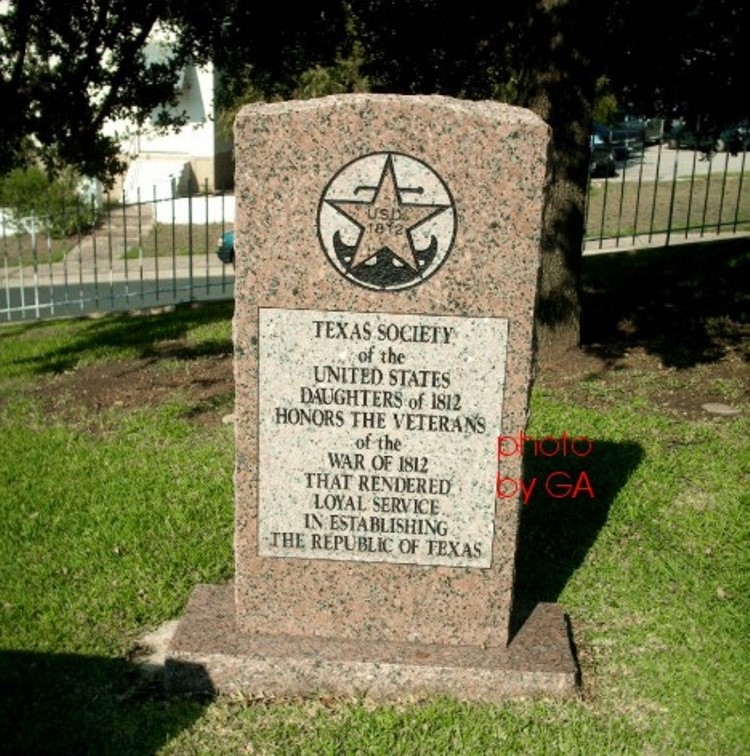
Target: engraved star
x=386 y=222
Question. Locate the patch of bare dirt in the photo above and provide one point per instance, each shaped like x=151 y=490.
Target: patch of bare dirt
x=634 y=371
x=205 y=383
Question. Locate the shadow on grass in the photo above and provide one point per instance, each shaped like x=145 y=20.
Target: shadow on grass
x=567 y=508
x=686 y=303
x=72 y=704
x=148 y=335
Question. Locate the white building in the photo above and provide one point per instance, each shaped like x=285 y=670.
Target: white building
x=196 y=157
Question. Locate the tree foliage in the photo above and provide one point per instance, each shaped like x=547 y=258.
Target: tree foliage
x=690 y=59
x=33 y=200
x=559 y=58
x=67 y=68
x=540 y=55
x=264 y=50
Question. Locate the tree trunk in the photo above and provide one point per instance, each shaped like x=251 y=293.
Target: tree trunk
x=558 y=84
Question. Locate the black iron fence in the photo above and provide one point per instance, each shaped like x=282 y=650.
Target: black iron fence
x=660 y=195
x=143 y=252
x=157 y=251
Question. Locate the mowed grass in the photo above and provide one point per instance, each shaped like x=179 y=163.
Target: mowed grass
x=25 y=249
x=700 y=205
x=109 y=519
x=166 y=240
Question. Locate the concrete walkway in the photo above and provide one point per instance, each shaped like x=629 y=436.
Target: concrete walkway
x=666 y=163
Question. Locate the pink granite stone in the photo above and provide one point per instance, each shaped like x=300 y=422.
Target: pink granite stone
x=388 y=247
x=208 y=654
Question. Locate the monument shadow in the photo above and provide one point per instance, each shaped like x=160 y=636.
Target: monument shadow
x=151 y=336
x=75 y=704
x=567 y=507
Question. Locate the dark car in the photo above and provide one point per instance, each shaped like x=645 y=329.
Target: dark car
x=628 y=132
x=625 y=134
x=225 y=250
x=602 y=157
x=681 y=136
x=734 y=138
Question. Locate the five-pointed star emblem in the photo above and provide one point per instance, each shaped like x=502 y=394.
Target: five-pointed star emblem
x=386 y=221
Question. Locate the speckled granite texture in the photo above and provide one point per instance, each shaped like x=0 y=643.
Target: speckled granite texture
x=355 y=213
x=208 y=654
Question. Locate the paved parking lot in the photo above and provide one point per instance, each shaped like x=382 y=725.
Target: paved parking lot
x=687 y=162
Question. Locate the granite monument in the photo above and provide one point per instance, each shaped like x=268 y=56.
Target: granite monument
x=387 y=256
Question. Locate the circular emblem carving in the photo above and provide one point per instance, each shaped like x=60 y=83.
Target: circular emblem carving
x=386 y=221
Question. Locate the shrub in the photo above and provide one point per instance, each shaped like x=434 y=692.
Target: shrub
x=54 y=204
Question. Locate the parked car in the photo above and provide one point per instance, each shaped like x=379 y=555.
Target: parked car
x=602 y=158
x=681 y=136
x=625 y=134
x=628 y=132
x=225 y=251
x=734 y=138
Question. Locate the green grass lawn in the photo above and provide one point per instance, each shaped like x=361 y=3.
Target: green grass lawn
x=166 y=240
x=39 y=250
x=626 y=208
x=110 y=517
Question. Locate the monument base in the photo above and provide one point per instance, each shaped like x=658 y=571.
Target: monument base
x=208 y=654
